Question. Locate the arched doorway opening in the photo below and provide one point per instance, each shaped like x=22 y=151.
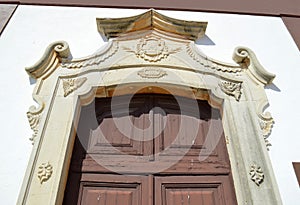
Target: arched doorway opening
x=149 y=149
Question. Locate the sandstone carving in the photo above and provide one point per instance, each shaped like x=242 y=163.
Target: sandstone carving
x=210 y=63
x=72 y=84
x=44 y=172
x=94 y=59
x=256 y=174
x=246 y=58
x=152 y=49
x=266 y=124
x=231 y=88
x=152 y=73
x=34 y=115
x=54 y=54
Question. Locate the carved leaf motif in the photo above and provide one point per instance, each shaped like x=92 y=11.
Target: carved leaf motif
x=212 y=64
x=92 y=60
x=266 y=125
x=152 y=49
x=33 y=116
x=34 y=120
x=152 y=73
x=256 y=174
x=44 y=172
x=232 y=89
x=72 y=84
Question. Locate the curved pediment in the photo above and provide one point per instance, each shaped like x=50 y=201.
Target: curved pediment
x=152 y=45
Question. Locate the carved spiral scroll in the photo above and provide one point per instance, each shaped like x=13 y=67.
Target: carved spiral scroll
x=248 y=60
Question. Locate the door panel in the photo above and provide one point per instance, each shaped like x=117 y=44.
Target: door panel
x=194 y=190
x=107 y=189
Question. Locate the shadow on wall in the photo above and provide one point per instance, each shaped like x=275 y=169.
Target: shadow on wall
x=205 y=40
x=273 y=87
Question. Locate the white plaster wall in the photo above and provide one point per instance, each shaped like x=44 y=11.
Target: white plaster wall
x=33 y=28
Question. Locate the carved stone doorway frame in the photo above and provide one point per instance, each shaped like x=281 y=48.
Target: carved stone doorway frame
x=151 y=53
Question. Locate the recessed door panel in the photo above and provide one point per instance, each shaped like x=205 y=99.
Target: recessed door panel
x=194 y=190
x=107 y=189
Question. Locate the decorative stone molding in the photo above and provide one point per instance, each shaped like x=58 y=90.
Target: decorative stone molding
x=152 y=73
x=197 y=75
x=231 y=88
x=45 y=172
x=150 y=20
x=52 y=57
x=34 y=115
x=266 y=123
x=247 y=59
x=152 y=49
x=95 y=59
x=205 y=61
x=72 y=84
x=256 y=174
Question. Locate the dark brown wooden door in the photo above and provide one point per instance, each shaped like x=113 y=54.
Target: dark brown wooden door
x=157 y=149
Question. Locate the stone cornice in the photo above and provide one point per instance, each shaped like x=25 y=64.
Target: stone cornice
x=111 y=28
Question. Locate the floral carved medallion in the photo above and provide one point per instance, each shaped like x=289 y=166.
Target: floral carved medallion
x=70 y=85
x=152 y=73
x=257 y=175
x=232 y=89
x=45 y=172
x=152 y=49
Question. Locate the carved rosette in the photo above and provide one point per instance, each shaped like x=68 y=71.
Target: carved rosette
x=72 y=84
x=44 y=172
x=256 y=174
x=231 y=88
x=266 y=124
x=152 y=73
x=152 y=49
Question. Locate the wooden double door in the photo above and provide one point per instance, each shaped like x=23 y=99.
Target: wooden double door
x=149 y=150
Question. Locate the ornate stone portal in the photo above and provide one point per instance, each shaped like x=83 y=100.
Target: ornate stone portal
x=155 y=54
